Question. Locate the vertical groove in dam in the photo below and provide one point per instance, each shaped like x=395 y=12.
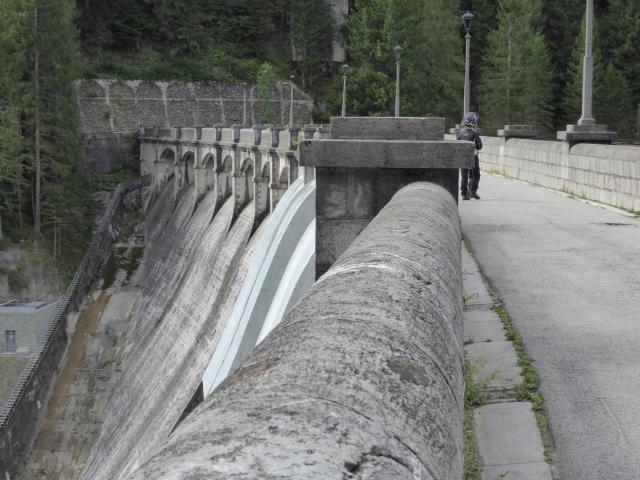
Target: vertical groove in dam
x=196 y=268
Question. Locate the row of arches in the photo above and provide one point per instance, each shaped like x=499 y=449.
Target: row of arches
x=261 y=177
x=187 y=166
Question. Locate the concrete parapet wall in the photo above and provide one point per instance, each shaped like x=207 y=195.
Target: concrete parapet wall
x=605 y=173
x=363 y=378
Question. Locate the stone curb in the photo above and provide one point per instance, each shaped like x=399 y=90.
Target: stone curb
x=507 y=433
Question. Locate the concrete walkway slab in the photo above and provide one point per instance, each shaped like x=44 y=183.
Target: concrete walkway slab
x=525 y=471
x=475 y=292
x=495 y=359
x=509 y=442
x=483 y=326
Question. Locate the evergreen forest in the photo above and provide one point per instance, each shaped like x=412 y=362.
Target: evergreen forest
x=526 y=67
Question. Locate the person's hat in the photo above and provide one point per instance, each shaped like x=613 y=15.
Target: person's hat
x=470 y=119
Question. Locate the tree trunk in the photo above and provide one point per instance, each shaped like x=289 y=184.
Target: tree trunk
x=36 y=213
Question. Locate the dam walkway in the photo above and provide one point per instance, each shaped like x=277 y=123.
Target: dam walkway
x=568 y=274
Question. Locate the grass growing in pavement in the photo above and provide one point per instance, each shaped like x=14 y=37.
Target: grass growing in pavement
x=474 y=395
x=467 y=243
x=528 y=389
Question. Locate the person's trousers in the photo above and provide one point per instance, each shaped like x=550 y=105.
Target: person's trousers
x=470 y=178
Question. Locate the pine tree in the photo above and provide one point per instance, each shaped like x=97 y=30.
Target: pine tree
x=431 y=62
x=516 y=80
x=41 y=168
x=621 y=41
x=611 y=92
x=562 y=25
x=13 y=57
x=64 y=200
x=311 y=29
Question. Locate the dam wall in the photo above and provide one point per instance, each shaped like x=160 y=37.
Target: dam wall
x=385 y=319
x=363 y=378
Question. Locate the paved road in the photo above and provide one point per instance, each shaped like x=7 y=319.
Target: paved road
x=569 y=274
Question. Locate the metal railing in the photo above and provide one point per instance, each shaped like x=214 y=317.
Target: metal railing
x=53 y=344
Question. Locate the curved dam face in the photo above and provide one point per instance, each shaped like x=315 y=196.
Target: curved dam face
x=213 y=275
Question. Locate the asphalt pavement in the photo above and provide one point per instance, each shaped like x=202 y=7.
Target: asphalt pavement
x=569 y=275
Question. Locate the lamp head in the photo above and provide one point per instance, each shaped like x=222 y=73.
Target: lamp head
x=466 y=20
x=397 y=49
x=345 y=69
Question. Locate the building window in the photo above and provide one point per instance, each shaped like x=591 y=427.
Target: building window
x=10 y=341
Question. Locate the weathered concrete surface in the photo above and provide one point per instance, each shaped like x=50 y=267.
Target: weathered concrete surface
x=356 y=177
x=483 y=326
x=358 y=153
x=604 y=173
x=509 y=442
x=388 y=128
x=348 y=198
x=363 y=379
x=568 y=274
x=497 y=364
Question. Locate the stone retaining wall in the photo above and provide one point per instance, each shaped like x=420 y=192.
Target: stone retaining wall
x=605 y=173
x=112 y=111
x=363 y=378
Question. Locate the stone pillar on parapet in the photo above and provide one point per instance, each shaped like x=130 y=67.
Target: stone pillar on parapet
x=365 y=162
x=519 y=131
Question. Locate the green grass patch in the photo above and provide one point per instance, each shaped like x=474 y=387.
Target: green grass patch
x=113 y=178
x=472 y=462
x=467 y=243
x=528 y=389
x=474 y=396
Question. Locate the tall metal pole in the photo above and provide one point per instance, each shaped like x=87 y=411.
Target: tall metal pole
x=344 y=96
x=292 y=78
x=397 y=49
x=638 y=126
x=467 y=66
x=345 y=70
x=587 y=72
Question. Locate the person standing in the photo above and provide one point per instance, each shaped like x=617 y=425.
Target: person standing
x=470 y=176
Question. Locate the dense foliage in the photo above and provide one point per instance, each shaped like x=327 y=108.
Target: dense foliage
x=43 y=192
x=526 y=67
x=232 y=39
x=427 y=31
x=516 y=73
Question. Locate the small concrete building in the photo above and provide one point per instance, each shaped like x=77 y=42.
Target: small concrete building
x=23 y=324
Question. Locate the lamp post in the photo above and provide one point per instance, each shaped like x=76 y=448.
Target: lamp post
x=466 y=21
x=638 y=126
x=587 y=72
x=396 y=50
x=345 y=73
x=291 y=79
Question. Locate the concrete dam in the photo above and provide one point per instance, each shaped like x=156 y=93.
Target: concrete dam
x=297 y=312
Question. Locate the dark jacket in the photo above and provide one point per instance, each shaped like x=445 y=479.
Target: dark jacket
x=470 y=135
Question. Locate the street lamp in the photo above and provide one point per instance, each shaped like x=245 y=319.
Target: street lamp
x=345 y=74
x=396 y=50
x=292 y=77
x=587 y=72
x=466 y=21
